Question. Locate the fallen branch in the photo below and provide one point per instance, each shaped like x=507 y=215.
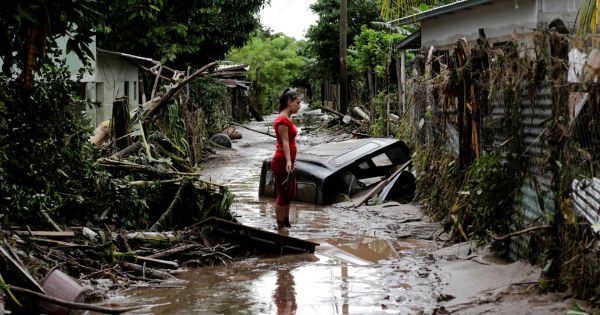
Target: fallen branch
x=79 y=306
x=49 y=220
x=531 y=229
x=340 y=115
x=258 y=131
x=172 y=251
x=128 y=150
x=156 y=106
x=146 y=271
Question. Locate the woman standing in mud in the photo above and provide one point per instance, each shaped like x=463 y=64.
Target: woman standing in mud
x=285 y=156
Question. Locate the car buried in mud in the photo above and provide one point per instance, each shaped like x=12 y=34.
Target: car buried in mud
x=327 y=172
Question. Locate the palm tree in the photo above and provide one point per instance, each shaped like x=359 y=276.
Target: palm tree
x=587 y=17
x=393 y=9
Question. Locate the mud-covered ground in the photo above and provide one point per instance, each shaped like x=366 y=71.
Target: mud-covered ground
x=383 y=259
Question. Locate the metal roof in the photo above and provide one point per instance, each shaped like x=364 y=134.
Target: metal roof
x=412 y=41
x=445 y=9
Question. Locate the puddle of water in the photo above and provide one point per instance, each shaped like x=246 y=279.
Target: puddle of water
x=297 y=284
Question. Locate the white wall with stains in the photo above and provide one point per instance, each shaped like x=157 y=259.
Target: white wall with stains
x=500 y=19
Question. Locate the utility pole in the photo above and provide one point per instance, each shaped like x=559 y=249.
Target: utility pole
x=343 y=51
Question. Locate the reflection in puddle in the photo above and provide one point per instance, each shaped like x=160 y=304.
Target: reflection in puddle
x=285 y=294
x=340 y=279
x=361 y=251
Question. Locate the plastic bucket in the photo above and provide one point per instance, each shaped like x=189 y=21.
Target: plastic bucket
x=59 y=285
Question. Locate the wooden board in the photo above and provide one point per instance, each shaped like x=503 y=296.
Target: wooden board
x=53 y=234
x=270 y=241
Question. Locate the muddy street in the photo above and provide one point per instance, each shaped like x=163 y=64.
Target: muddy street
x=381 y=259
x=360 y=266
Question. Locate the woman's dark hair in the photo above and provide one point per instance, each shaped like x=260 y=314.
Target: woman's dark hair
x=287 y=95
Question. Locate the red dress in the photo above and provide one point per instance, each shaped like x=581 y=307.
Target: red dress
x=286 y=193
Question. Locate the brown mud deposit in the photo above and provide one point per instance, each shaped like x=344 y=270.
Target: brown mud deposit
x=383 y=259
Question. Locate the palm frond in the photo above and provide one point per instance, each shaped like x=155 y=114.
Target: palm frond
x=587 y=17
x=391 y=9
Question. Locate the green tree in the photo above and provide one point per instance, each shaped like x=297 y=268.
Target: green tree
x=372 y=48
x=324 y=37
x=30 y=28
x=185 y=32
x=274 y=64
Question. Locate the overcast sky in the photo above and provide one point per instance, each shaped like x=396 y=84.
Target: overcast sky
x=291 y=17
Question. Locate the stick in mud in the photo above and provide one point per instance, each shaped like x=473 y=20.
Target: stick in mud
x=79 y=306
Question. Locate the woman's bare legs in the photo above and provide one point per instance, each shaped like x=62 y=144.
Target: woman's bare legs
x=286 y=216
x=279 y=215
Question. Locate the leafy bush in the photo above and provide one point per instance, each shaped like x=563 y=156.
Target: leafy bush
x=46 y=161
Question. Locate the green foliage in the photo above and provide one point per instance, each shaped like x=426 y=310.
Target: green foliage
x=324 y=37
x=438 y=180
x=587 y=17
x=209 y=94
x=372 y=48
x=29 y=30
x=184 y=33
x=274 y=63
x=491 y=190
x=47 y=162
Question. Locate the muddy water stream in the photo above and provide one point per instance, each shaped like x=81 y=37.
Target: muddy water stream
x=360 y=267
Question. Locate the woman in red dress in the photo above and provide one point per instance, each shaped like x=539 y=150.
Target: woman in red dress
x=284 y=159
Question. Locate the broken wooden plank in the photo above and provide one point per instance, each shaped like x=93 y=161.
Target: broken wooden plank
x=7 y=252
x=382 y=184
x=53 y=234
x=269 y=241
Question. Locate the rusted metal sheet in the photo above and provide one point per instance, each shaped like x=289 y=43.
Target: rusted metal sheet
x=536 y=193
x=586 y=199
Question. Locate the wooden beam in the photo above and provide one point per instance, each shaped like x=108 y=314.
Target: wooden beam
x=54 y=234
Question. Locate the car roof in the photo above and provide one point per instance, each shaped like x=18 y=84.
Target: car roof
x=337 y=155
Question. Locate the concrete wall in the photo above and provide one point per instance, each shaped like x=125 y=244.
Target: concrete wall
x=498 y=19
x=566 y=10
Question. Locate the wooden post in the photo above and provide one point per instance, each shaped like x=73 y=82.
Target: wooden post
x=403 y=79
x=120 y=122
x=343 y=53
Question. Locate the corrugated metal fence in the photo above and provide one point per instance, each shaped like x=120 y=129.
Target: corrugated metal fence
x=518 y=119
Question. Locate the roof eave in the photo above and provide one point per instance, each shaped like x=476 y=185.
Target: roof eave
x=446 y=9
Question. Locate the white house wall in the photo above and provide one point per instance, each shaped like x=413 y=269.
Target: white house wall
x=112 y=72
x=565 y=10
x=498 y=19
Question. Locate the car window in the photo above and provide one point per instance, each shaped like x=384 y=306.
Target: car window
x=382 y=160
